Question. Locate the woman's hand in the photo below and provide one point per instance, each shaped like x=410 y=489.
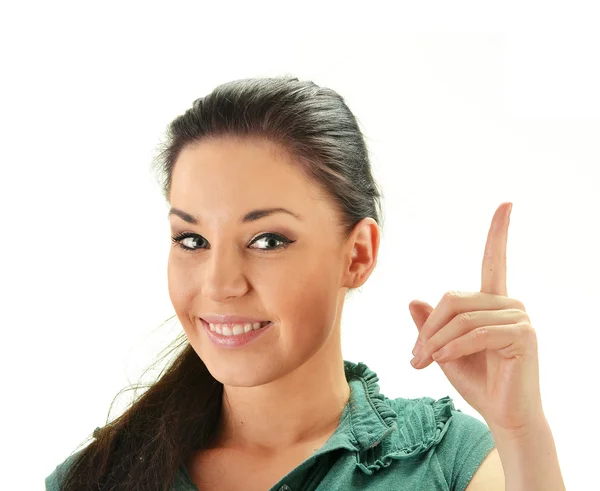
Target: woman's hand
x=484 y=342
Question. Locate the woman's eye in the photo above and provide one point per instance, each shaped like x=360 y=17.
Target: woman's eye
x=267 y=239
x=180 y=241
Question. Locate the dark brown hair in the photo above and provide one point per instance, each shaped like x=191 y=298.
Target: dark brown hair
x=143 y=448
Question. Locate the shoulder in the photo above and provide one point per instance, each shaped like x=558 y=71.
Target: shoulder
x=489 y=475
x=460 y=442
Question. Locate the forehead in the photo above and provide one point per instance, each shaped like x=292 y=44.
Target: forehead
x=232 y=176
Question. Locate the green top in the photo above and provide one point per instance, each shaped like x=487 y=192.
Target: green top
x=380 y=444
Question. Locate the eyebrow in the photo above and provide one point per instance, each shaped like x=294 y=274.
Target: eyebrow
x=248 y=217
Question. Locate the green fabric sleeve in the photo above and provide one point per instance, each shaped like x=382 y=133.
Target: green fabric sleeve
x=466 y=444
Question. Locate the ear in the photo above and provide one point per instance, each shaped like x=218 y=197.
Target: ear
x=420 y=312
x=362 y=257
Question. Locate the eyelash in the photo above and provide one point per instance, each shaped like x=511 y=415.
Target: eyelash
x=285 y=241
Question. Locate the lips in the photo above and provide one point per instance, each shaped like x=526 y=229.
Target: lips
x=230 y=324
x=230 y=319
x=235 y=340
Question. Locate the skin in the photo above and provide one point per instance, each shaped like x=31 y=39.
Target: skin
x=489 y=345
x=486 y=346
x=287 y=388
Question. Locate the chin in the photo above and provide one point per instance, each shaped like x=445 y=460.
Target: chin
x=239 y=375
x=243 y=380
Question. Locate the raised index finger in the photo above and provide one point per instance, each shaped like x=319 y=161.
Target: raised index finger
x=493 y=268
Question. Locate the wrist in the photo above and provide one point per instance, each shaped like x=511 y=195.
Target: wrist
x=529 y=457
x=537 y=424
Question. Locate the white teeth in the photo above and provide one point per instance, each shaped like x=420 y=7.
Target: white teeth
x=236 y=329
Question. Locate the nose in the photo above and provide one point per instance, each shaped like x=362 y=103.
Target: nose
x=223 y=275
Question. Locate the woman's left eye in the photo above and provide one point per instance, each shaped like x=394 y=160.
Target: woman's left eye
x=178 y=241
x=274 y=237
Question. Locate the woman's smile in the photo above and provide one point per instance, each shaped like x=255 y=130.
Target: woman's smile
x=225 y=336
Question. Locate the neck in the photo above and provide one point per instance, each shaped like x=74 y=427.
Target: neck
x=302 y=407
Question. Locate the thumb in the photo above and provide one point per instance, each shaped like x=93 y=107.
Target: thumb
x=420 y=312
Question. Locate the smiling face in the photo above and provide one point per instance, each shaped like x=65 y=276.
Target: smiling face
x=234 y=269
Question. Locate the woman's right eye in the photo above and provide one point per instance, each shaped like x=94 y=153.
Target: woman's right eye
x=178 y=241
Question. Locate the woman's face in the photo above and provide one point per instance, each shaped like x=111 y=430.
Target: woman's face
x=299 y=287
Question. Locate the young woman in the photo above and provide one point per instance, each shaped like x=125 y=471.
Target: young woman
x=275 y=218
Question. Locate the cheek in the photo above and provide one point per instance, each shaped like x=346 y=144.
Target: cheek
x=177 y=284
x=307 y=300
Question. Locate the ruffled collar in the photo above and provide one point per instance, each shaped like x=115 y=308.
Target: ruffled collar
x=381 y=430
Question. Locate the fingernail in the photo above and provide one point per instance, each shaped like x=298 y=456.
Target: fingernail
x=417 y=348
x=439 y=355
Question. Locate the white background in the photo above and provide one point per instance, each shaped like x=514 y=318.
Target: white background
x=464 y=105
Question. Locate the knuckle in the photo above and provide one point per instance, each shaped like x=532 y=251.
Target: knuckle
x=518 y=305
x=465 y=319
x=448 y=296
x=519 y=314
x=481 y=333
x=525 y=318
x=527 y=331
x=451 y=297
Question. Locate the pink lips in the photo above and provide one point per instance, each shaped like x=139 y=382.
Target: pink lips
x=229 y=319
x=235 y=341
